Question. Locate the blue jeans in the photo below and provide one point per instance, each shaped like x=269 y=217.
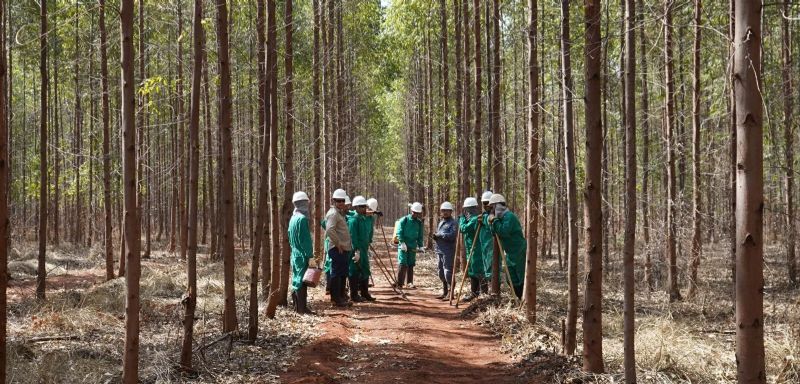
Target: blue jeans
x=445 y=264
x=339 y=262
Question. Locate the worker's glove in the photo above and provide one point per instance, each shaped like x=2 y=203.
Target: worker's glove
x=312 y=263
x=356 y=257
x=420 y=249
x=436 y=236
x=403 y=247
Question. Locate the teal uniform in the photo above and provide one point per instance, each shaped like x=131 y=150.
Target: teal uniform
x=476 y=268
x=486 y=242
x=410 y=232
x=327 y=265
x=302 y=247
x=512 y=239
x=360 y=234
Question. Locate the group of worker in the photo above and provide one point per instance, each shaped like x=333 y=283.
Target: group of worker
x=349 y=228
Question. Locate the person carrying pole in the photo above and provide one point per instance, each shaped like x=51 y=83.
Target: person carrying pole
x=410 y=238
x=469 y=224
x=506 y=226
x=302 y=250
x=359 y=268
x=486 y=240
x=445 y=239
x=339 y=246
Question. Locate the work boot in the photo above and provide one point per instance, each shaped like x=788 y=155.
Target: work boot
x=365 y=291
x=401 y=275
x=443 y=296
x=354 y=296
x=327 y=283
x=474 y=286
x=410 y=277
x=302 y=301
x=295 y=301
x=484 y=286
x=336 y=292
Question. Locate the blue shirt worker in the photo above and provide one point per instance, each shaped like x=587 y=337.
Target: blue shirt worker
x=468 y=224
x=339 y=247
x=302 y=251
x=445 y=238
x=410 y=238
x=506 y=226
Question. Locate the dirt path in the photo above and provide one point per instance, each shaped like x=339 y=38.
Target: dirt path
x=422 y=340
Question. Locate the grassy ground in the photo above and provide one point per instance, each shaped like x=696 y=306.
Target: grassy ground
x=690 y=341
x=86 y=321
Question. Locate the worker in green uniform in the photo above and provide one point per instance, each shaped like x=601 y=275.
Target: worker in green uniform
x=486 y=242
x=506 y=226
x=410 y=238
x=359 y=272
x=468 y=225
x=302 y=250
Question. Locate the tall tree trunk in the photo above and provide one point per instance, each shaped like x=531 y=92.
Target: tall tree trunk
x=467 y=80
x=569 y=170
x=532 y=179
x=445 y=96
x=732 y=150
x=41 y=271
x=229 y=323
x=272 y=90
x=593 y=216
x=318 y=138
x=648 y=266
x=288 y=172
x=696 y=188
x=261 y=234
x=77 y=139
x=750 y=367
x=107 y=238
x=5 y=223
x=190 y=299
x=669 y=100
x=497 y=143
x=144 y=159
x=477 y=132
x=629 y=246
x=130 y=366
x=788 y=138
x=181 y=153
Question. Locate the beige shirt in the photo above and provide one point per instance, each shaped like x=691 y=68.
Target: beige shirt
x=336 y=230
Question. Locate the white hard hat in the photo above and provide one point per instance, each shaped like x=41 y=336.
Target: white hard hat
x=347 y=200
x=359 y=201
x=470 y=202
x=372 y=203
x=416 y=207
x=497 y=198
x=486 y=196
x=446 y=206
x=299 y=196
x=339 y=194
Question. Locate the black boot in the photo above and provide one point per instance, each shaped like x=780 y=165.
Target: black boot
x=365 y=291
x=343 y=289
x=445 y=291
x=518 y=290
x=484 y=286
x=401 y=275
x=410 y=281
x=354 y=284
x=302 y=301
x=295 y=301
x=474 y=286
x=336 y=292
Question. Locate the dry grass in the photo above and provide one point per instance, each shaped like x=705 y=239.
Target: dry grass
x=88 y=328
x=686 y=342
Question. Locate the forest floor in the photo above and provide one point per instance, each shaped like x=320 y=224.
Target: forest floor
x=76 y=335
